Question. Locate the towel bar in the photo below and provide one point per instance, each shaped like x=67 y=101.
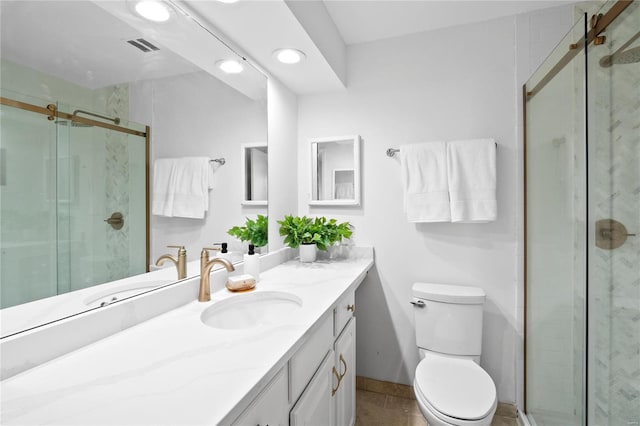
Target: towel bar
x=221 y=161
x=391 y=152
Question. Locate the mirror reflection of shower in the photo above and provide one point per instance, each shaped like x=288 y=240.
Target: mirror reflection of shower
x=74 y=123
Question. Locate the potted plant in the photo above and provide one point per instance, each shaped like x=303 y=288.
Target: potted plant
x=311 y=234
x=253 y=231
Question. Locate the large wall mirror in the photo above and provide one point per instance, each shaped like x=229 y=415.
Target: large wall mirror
x=93 y=94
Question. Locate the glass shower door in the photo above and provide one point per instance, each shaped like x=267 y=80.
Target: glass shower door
x=28 y=228
x=101 y=203
x=555 y=222
x=73 y=203
x=613 y=395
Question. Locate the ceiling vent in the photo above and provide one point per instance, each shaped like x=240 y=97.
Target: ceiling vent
x=143 y=45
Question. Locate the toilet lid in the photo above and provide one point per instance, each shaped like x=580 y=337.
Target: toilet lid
x=456 y=387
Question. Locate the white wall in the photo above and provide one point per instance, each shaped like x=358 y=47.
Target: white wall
x=283 y=151
x=197 y=115
x=448 y=84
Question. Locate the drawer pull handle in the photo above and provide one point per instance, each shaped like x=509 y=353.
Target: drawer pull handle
x=345 y=366
x=335 y=373
x=351 y=307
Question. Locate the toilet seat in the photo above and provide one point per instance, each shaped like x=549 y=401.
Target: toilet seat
x=457 y=390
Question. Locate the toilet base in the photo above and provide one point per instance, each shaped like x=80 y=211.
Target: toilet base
x=438 y=419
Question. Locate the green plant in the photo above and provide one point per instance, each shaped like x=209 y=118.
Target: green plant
x=254 y=231
x=319 y=231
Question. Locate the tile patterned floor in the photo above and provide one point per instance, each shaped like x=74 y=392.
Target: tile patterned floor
x=377 y=409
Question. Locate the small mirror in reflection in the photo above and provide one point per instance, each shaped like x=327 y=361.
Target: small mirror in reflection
x=254 y=157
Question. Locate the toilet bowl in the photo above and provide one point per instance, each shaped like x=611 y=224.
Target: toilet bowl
x=454 y=391
x=450 y=386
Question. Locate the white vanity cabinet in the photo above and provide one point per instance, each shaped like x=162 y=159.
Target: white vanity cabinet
x=344 y=385
x=329 y=399
x=270 y=407
x=316 y=405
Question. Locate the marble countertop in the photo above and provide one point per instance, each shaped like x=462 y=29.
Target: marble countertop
x=173 y=369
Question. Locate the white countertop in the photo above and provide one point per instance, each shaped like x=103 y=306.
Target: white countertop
x=173 y=369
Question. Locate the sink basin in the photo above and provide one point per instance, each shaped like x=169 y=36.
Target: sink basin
x=251 y=310
x=123 y=291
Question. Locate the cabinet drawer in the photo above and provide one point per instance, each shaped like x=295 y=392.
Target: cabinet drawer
x=306 y=361
x=343 y=312
x=271 y=406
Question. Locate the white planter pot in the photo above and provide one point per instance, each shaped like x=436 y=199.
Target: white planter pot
x=307 y=253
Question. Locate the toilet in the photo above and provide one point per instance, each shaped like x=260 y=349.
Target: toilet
x=450 y=386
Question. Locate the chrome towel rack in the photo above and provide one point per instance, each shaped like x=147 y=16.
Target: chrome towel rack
x=220 y=161
x=391 y=152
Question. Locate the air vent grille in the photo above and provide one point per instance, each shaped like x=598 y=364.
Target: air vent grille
x=143 y=45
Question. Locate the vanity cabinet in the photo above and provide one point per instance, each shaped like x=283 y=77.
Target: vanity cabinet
x=271 y=406
x=329 y=399
x=344 y=377
x=316 y=405
x=318 y=384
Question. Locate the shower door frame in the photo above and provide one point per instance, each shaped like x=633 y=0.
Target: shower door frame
x=52 y=112
x=598 y=24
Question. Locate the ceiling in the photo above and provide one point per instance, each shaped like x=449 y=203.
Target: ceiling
x=324 y=28
x=378 y=20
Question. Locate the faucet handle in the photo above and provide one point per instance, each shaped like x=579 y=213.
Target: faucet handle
x=180 y=248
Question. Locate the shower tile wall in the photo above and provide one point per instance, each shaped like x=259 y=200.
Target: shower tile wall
x=614 y=282
x=117 y=184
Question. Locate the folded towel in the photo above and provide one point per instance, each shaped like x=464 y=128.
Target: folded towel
x=424 y=178
x=471 y=168
x=185 y=192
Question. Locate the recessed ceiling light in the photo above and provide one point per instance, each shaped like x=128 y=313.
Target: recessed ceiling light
x=152 y=10
x=289 y=56
x=230 y=66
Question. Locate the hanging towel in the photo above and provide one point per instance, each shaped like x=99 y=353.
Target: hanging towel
x=185 y=193
x=163 y=187
x=424 y=179
x=471 y=167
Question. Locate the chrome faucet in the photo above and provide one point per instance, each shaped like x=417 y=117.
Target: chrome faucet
x=205 y=269
x=180 y=262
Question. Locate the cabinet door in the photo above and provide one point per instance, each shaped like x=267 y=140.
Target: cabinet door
x=270 y=407
x=345 y=363
x=315 y=406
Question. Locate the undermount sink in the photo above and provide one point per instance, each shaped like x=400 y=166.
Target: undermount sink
x=123 y=291
x=251 y=310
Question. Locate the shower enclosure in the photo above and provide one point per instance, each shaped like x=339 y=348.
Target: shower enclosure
x=582 y=184
x=73 y=203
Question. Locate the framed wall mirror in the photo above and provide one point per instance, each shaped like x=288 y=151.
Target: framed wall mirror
x=254 y=178
x=123 y=91
x=335 y=171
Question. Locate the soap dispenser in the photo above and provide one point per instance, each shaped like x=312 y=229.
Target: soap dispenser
x=224 y=252
x=252 y=263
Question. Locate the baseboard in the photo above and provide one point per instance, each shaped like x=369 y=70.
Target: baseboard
x=404 y=391
x=387 y=388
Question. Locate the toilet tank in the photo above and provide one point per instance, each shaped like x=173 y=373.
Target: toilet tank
x=448 y=318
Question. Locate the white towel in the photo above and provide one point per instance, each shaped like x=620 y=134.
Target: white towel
x=163 y=187
x=185 y=192
x=424 y=178
x=471 y=167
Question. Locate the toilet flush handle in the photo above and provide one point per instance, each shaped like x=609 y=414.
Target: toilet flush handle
x=418 y=304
